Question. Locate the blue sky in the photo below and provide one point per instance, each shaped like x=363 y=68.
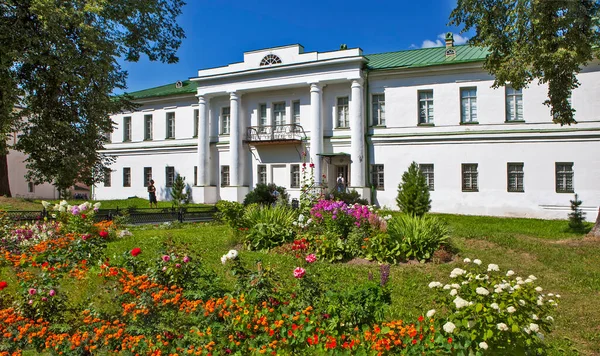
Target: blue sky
x=219 y=31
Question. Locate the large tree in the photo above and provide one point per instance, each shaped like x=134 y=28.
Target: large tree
x=59 y=61
x=547 y=40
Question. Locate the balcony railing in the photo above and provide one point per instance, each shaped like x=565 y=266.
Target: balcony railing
x=275 y=134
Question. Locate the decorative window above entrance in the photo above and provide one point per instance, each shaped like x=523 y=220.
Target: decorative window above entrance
x=270 y=59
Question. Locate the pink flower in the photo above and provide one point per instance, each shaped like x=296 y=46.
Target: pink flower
x=186 y=259
x=52 y=292
x=166 y=258
x=299 y=272
x=312 y=165
x=311 y=258
x=32 y=291
x=177 y=265
x=164 y=268
x=30 y=301
x=44 y=299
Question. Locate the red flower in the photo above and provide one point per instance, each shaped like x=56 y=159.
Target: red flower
x=83 y=216
x=3 y=285
x=449 y=340
x=421 y=318
x=136 y=251
x=414 y=342
x=103 y=234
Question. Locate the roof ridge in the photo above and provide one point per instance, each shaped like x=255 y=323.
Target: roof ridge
x=421 y=49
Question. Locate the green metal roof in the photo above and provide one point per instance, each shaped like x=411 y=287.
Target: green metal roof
x=188 y=87
x=425 y=57
x=401 y=59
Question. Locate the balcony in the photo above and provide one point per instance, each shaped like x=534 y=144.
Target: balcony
x=275 y=134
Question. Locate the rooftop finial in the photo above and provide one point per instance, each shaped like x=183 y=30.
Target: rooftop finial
x=449 y=40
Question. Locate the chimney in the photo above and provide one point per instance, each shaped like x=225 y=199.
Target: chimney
x=449 y=40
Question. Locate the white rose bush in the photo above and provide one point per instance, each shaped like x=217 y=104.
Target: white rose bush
x=484 y=308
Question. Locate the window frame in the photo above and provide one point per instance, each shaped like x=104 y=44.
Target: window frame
x=294 y=176
x=519 y=175
x=276 y=111
x=263 y=121
x=148 y=129
x=127 y=177
x=195 y=176
x=296 y=115
x=107 y=174
x=196 y=117
x=169 y=176
x=127 y=129
x=474 y=177
x=260 y=173
x=225 y=118
x=379 y=110
x=30 y=187
x=225 y=176
x=377 y=176
x=567 y=174
x=429 y=176
x=342 y=108
x=146 y=180
x=170 y=121
x=470 y=101
x=428 y=121
x=517 y=95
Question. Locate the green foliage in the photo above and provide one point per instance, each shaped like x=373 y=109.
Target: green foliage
x=417 y=237
x=231 y=213
x=349 y=197
x=59 y=61
x=550 y=41
x=576 y=216
x=268 y=227
x=413 y=192
x=178 y=195
x=357 y=305
x=263 y=194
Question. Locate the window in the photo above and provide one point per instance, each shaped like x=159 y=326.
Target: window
x=514 y=104
x=469 y=177
x=147 y=127
x=295 y=176
x=279 y=114
x=196 y=118
x=378 y=109
x=296 y=112
x=270 y=59
x=147 y=176
x=169 y=176
x=377 y=178
x=30 y=187
x=170 y=125
x=427 y=170
x=343 y=119
x=262 y=174
x=127 y=177
x=107 y=177
x=224 y=176
x=262 y=117
x=564 y=177
x=468 y=105
x=127 y=129
x=225 y=120
x=195 y=175
x=426 y=107
x=515 y=177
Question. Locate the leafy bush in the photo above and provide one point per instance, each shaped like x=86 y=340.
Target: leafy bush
x=487 y=308
x=263 y=194
x=359 y=305
x=349 y=197
x=268 y=226
x=231 y=213
x=417 y=237
x=413 y=192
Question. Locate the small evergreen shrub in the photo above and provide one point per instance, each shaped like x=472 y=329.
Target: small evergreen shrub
x=576 y=216
x=178 y=195
x=413 y=192
x=417 y=237
x=349 y=197
x=263 y=194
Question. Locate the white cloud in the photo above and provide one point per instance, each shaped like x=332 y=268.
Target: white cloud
x=439 y=42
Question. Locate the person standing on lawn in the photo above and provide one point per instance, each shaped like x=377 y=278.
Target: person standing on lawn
x=152 y=194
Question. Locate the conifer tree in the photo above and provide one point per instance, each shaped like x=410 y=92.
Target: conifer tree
x=576 y=216
x=178 y=195
x=413 y=192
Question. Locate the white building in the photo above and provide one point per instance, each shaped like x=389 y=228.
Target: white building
x=484 y=151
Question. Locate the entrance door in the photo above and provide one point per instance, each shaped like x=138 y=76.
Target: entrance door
x=341 y=178
x=279 y=175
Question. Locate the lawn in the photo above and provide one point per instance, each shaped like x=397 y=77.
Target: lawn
x=565 y=263
x=28 y=204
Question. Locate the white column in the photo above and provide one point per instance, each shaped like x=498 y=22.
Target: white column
x=203 y=143
x=357 y=130
x=235 y=140
x=316 y=129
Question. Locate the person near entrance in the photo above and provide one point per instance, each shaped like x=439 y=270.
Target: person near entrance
x=340 y=183
x=152 y=194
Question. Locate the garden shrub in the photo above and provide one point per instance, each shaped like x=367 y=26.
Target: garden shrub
x=350 y=197
x=417 y=237
x=576 y=216
x=358 y=305
x=263 y=194
x=268 y=226
x=231 y=213
x=487 y=308
x=413 y=192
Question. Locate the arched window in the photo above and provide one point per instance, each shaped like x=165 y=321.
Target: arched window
x=270 y=59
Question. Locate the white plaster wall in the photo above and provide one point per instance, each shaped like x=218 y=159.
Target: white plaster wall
x=18 y=183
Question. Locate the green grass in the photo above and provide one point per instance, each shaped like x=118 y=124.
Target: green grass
x=564 y=262
x=27 y=204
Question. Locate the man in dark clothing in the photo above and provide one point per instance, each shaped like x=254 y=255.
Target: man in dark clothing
x=152 y=194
